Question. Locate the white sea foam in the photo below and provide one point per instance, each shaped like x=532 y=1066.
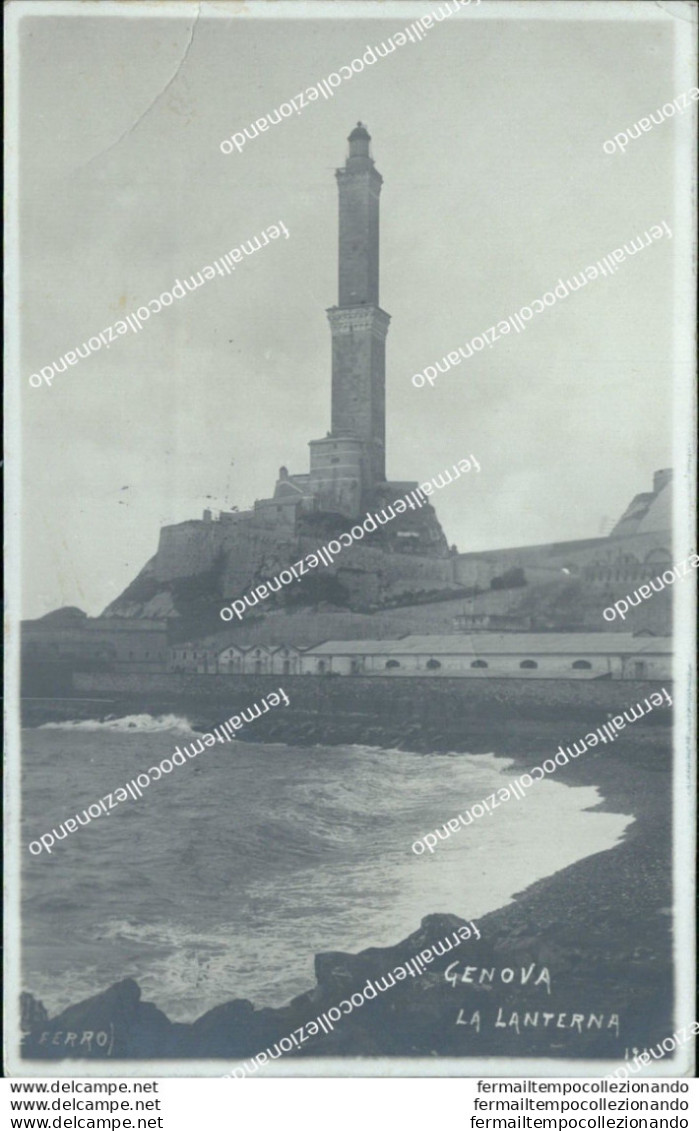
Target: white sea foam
x=142 y=723
x=252 y=868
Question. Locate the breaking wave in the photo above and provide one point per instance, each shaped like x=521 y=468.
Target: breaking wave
x=141 y=723
x=266 y=858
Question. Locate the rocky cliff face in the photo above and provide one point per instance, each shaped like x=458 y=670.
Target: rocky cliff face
x=200 y=565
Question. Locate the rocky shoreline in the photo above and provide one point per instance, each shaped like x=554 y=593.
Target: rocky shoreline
x=601 y=928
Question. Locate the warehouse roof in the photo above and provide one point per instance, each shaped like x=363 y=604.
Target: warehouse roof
x=504 y=643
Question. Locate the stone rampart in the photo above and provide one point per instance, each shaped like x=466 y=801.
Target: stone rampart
x=187 y=549
x=624 y=553
x=248 y=552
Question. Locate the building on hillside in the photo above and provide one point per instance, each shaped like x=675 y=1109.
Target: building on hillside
x=650 y=511
x=600 y=655
x=638 y=547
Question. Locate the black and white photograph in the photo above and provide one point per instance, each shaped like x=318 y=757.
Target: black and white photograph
x=351 y=440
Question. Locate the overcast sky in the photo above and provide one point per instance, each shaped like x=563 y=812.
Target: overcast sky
x=489 y=138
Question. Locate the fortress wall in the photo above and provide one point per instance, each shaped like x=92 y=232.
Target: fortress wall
x=256 y=552
x=187 y=549
x=191 y=548
x=373 y=575
x=258 y=549
x=392 y=566
x=548 y=554
x=582 y=553
x=369 y=573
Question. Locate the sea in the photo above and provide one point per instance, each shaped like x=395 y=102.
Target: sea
x=231 y=873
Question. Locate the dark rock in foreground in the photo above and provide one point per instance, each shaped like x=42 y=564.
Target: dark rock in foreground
x=535 y=987
x=601 y=929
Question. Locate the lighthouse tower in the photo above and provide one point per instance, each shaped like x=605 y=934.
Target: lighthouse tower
x=350 y=463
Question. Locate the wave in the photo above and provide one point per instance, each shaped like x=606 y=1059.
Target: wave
x=290 y=852
x=140 y=723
